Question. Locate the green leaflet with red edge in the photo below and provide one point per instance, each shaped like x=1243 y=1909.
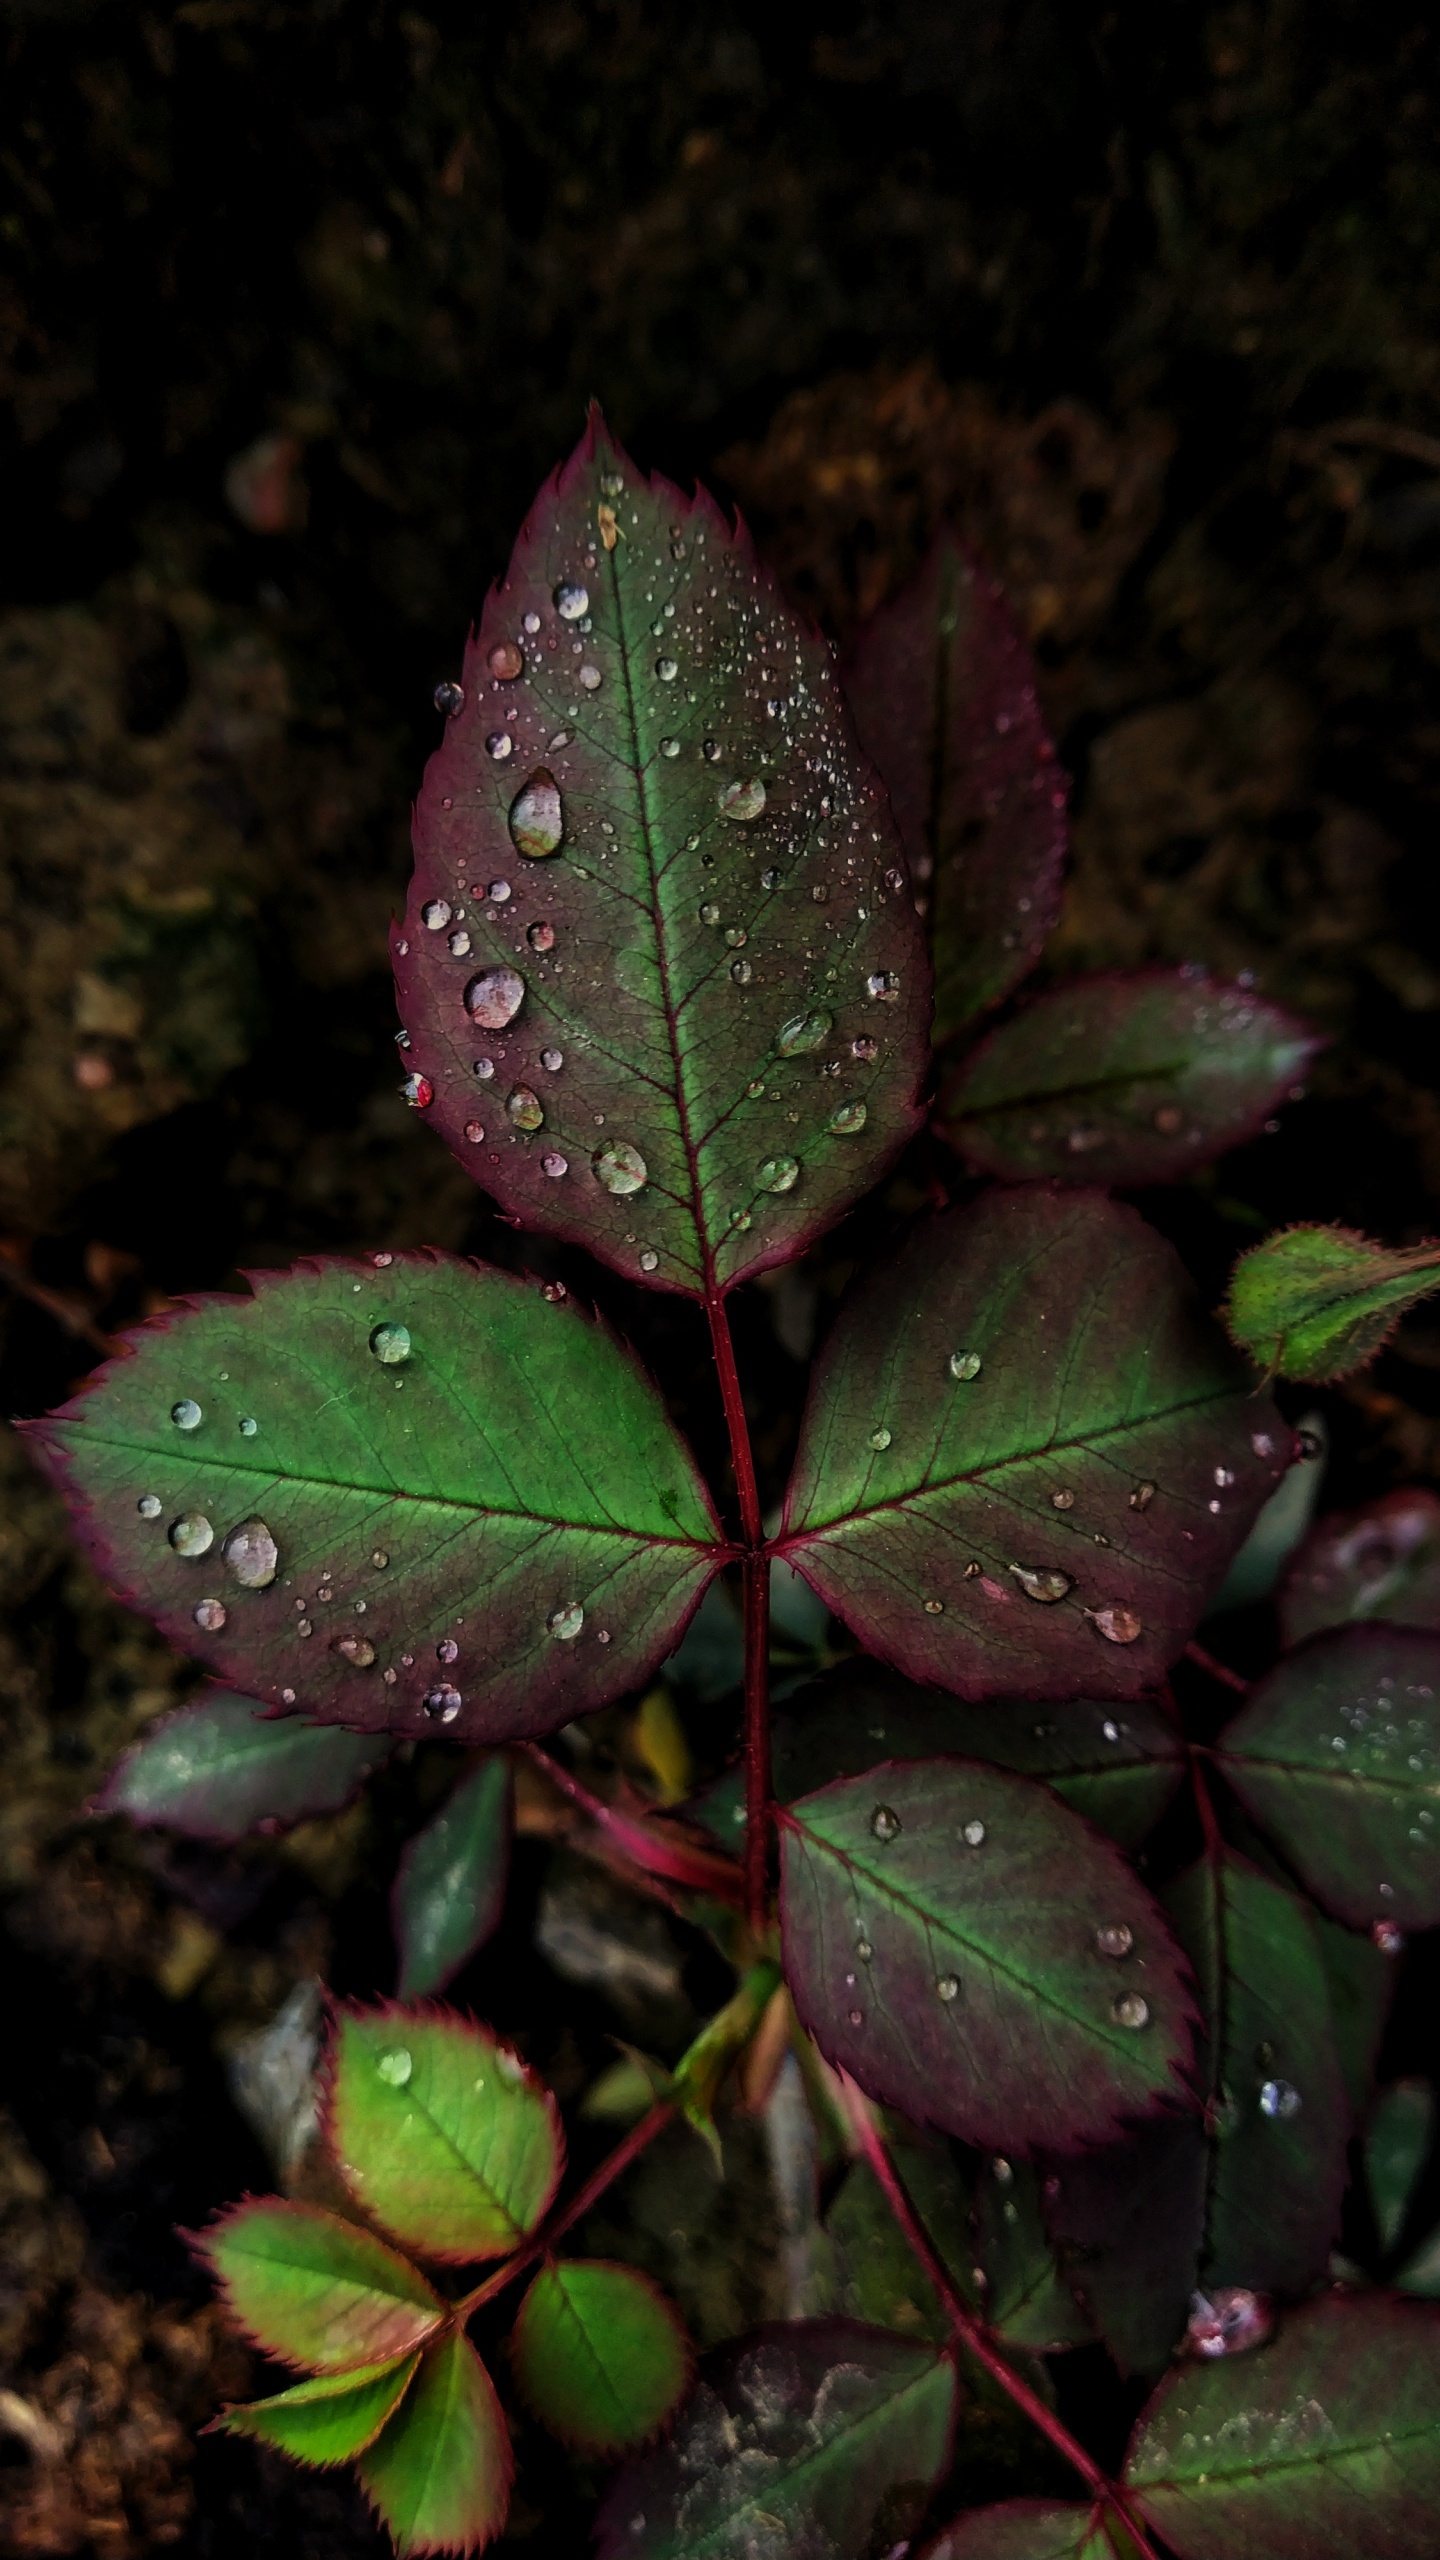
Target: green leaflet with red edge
x=1318 y=1302
x=599 y=2354
x=328 y=2419
x=441 y=2131
x=450 y=1889
x=1027 y=2529
x=315 y=2291
x=439 y=2474
x=222 y=1766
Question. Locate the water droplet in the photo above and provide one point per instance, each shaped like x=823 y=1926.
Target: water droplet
x=1116 y=1623
x=1388 y=1937
x=1262 y=1444
x=149 y=1506
x=474 y=1133
x=248 y=1426
x=252 y=1555
x=436 y=914
x=590 y=677
x=934 y=1608
x=1227 y=2322
x=1062 y=1501
x=442 y=1703
x=1114 y=1939
x=418 y=1091
x=391 y=1344
x=499 y=893
x=449 y=698
x=1040 y=1583
x=857 y=2017
x=1142 y=1495
x=358 y=1651
x=667 y=670
x=571 y=600
x=670 y=747
x=880 y=1437
x=532 y=623
x=186 y=1415
x=394 y=2068
x=973 y=1835
x=709 y=912
x=620 y=1168
x=885 y=1822
x=649 y=1261
x=525 y=1108
x=191 y=1534
x=742 y=972
x=804 y=1031
x=1280 y=2098
x=459 y=944
x=864 y=1950
x=537 y=816
x=505 y=662
x=209 y=1615
x=736 y=935
x=964 y=1364
x=1224 y=1475
x=847 y=1120
x=778 y=1173
x=554 y=1165
x=1130 y=2010
x=500 y=745
x=304 y=1628
x=565 y=1623
x=494 y=998
x=379 y=1556
x=947 y=1986
x=743 y=800
x=884 y=986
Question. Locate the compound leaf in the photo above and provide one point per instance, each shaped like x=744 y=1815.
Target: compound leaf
x=661 y=967
x=222 y=1766
x=439 y=2474
x=449 y=1891
x=943 y=693
x=328 y=2419
x=405 y=1493
x=1382 y=1562
x=974 y=1954
x=803 y=2440
x=1322 y=2444
x=316 y=2291
x=1026 y=1458
x=1126 y=1079
x=599 y=2354
x=1024 y=2529
x=1317 y=1302
x=442 y=2132
x=1337 y=1754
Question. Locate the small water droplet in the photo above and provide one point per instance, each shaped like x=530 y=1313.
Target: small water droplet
x=743 y=800
x=499 y=893
x=649 y=1260
x=537 y=818
x=1389 y=1938
x=474 y=1133
x=885 y=1822
x=571 y=600
x=418 y=1091
x=1130 y=2010
x=209 y=1616
x=804 y=1031
x=525 y=1108
x=778 y=1173
x=500 y=745
x=358 y=1651
x=667 y=670
x=964 y=1364
x=670 y=747
x=1110 y=1730
x=149 y=1506
x=1114 y=1939
x=590 y=677
x=565 y=1623
x=459 y=944
x=554 y=1164
x=620 y=1168
x=252 y=1555
x=541 y=937
x=436 y=914
x=484 y=1068
x=186 y=1415
x=934 y=1608
x=947 y=1986
x=449 y=697
x=1280 y=2098
x=1116 y=1623
x=884 y=986
x=442 y=1703
x=1168 y=1119
x=248 y=1426
x=1039 y=1582
x=857 y=2017
x=1142 y=1495
x=191 y=1534
x=505 y=662
x=880 y=1437
x=494 y=998
x=742 y=972
x=447 y=1650
x=394 y=2068
x=391 y=1344
x=1062 y=1501
x=864 y=1950
x=380 y=1557
x=973 y=1835
x=1262 y=1444
x=709 y=912
x=847 y=1120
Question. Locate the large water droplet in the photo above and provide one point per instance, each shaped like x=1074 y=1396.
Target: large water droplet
x=1116 y=1623
x=571 y=600
x=248 y=1426
x=555 y=1165
x=590 y=677
x=252 y=1555
x=552 y=1060
x=191 y=1534
x=186 y=1415
x=537 y=816
x=964 y=1364
x=541 y=935
x=778 y=1173
x=1114 y=1939
x=1280 y=2098
x=449 y=698
x=742 y=972
x=459 y=943
x=884 y=986
x=358 y=1651
x=709 y=913
x=1130 y=2011
x=505 y=662
x=525 y=1108
x=885 y=1822
x=394 y=2068
x=880 y=1438
x=494 y=998
x=803 y=1032
x=209 y=1616
x=149 y=1506
x=620 y=1168
x=1038 y=1583
x=847 y=1120
x=391 y=1344
x=973 y=1834
x=743 y=800
x=436 y=914
x=565 y=1623
x=500 y=745
x=442 y=1703
x=666 y=669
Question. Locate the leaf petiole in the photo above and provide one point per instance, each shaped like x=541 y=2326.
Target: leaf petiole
x=542 y=2242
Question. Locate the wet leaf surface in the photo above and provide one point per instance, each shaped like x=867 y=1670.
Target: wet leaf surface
x=330 y=2418
x=599 y=2355
x=314 y=2291
x=221 y=1767
x=1379 y=1562
x=439 y=2475
x=450 y=1889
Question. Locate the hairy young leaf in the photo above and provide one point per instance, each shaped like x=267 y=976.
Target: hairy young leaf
x=328 y=2419
x=442 y=2132
x=450 y=1888
x=974 y=1954
x=1279 y=2114
x=1026 y=1457
x=1337 y=1754
x=315 y=2291
x=1127 y=1078
x=1382 y=1562
x=1317 y=1302
x=439 y=2474
x=1322 y=2445
x=797 y=2443
x=1397 y=2147
x=405 y=1492
x=1129 y=2222
x=943 y=693
x=599 y=2354
x=1024 y=2529
x=658 y=894
x=222 y=1766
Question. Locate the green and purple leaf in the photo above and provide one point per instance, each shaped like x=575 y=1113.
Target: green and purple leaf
x=449 y=1891
x=975 y=1955
x=943 y=692
x=1026 y=2299
x=1398 y=2141
x=1382 y=1562
x=599 y=2355
x=1129 y=2222
x=443 y=2134
x=797 y=2443
x=331 y=2418
x=666 y=989
x=1124 y=1079
x=1027 y=1457
x=1336 y=1754
x=864 y=2268
x=439 y=2474
x=314 y=2291
x=1322 y=2445
x=224 y=1766
x=1318 y=1302
x=1024 y=2529
x=405 y=1494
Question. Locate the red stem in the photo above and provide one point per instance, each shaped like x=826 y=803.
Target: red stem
x=1214 y=1844
x=756 y=1596
x=1220 y=1671
x=644 y=1847
x=973 y=2331
x=612 y=2167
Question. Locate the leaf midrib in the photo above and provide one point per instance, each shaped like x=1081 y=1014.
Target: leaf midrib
x=880 y=2415
x=1326 y=1776
x=1294 y=2462
x=1026 y=1097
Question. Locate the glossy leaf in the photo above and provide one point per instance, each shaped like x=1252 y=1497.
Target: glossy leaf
x=1382 y=1562
x=1024 y=2529
x=1397 y=2147
x=1130 y=2222
x=797 y=2443
x=328 y=2419
x=315 y=2291
x=704 y=2067
x=1322 y=2445
x=441 y=2131
x=1360 y=1976
x=450 y=1888
x=1337 y=1754
x=863 y=2266
x=1026 y=2298
x=1128 y=1079
x=699 y=903
x=1281 y=1525
x=1020 y=1986
x=1279 y=2113
x=221 y=1767
x=943 y=693
x=460 y=1508
x=599 y=2355
x=1026 y=1457
x=439 y=2475
x=1317 y=1302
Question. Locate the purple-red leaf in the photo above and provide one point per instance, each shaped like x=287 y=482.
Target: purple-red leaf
x=666 y=989
x=1027 y=1457
x=223 y=1766
x=1382 y=1562
x=1127 y=1079
x=975 y=1955
x=943 y=693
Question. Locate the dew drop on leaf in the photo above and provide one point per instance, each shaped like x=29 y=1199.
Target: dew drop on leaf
x=209 y=1615
x=1039 y=1583
x=565 y=1623
x=500 y=745
x=1280 y=2098
x=537 y=819
x=552 y=1060
x=964 y=1364
x=649 y=1260
x=436 y=914
x=447 y=1650
x=709 y=913
x=390 y=1344
x=1387 y=1937
x=857 y=2017
x=885 y=1823
x=554 y=1164
x=880 y=1437
x=248 y=1426
x=848 y=1120
x=1142 y=1496
x=525 y=1108
x=884 y=986
x=1064 y=1500
x=620 y=1168
x=778 y=1173
x=1130 y=2010
x=571 y=600
x=419 y=1092
x=494 y=998
x=667 y=670
x=505 y=662
x=1116 y=1623
x=973 y=1835
x=449 y=697
x=1114 y=1939
x=743 y=800
x=149 y=1506
x=191 y=1534
x=186 y=1415
x=252 y=1555
x=590 y=677
x=805 y=1031
x=379 y=1556
x=443 y=1703
x=356 y=1650
x=670 y=747
x=394 y=2068
x=947 y=1986
x=864 y=1950
x=864 y=1049
x=742 y=972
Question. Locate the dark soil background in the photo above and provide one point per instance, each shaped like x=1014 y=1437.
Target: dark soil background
x=298 y=304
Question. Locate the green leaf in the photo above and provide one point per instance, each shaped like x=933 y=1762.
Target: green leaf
x=1397 y=2147
x=222 y=1767
x=450 y=1888
x=1129 y=2222
x=1317 y=1302
x=1281 y=1525
x=1024 y=2529
x=1379 y=1562
x=1323 y=2444
x=442 y=2132
x=328 y=2419
x=316 y=2291
x=1127 y=1078
x=1026 y=1457
x=439 y=2474
x=1336 y=1753
x=1360 y=1977
x=974 y=1954
x=863 y=2264
x=704 y=901
x=1026 y=2298
x=459 y=1508
x=701 y=2072
x=599 y=2354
